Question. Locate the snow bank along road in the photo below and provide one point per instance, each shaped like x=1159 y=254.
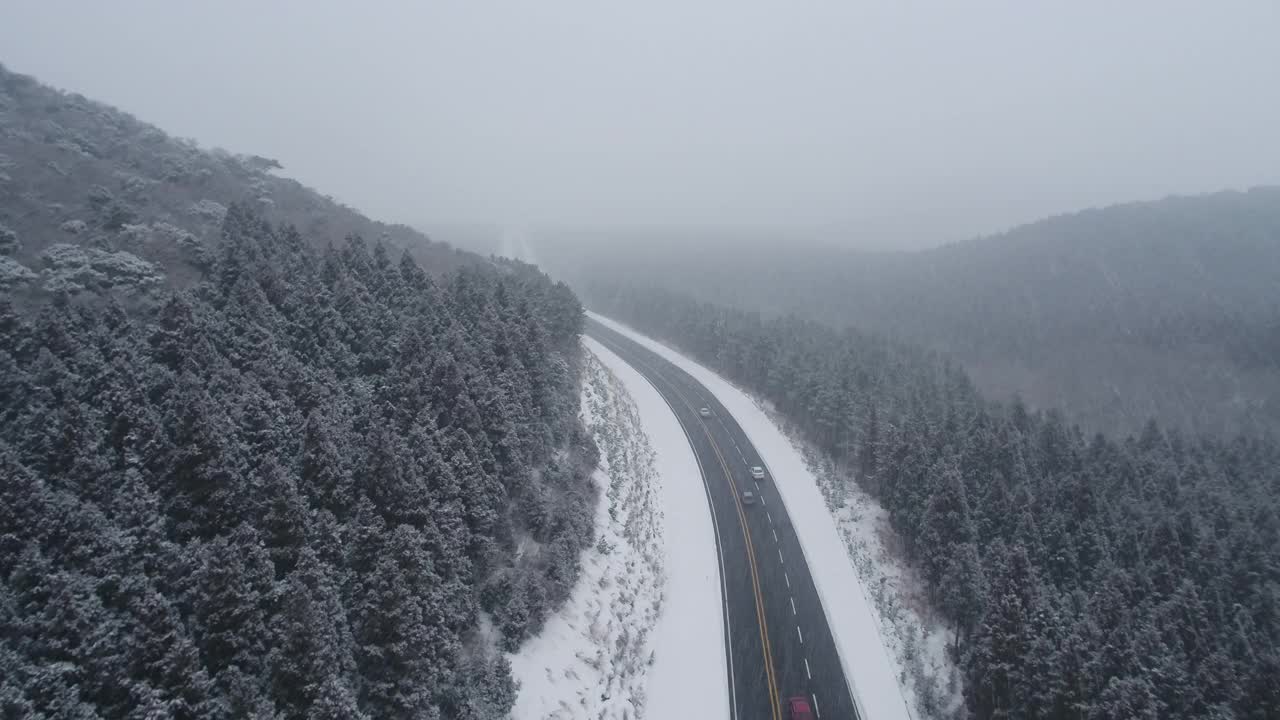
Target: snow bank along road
x=778 y=644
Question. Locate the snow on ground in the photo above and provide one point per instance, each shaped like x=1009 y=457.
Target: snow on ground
x=636 y=637
x=592 y=658
x=871 y=668
x=689 y=678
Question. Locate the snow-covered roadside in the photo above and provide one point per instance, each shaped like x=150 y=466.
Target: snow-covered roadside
x=642 y=630
x=689 y=677
x=592 y=658
x=851 y=613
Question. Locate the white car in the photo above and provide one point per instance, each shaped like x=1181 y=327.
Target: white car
x=757 y=472
x=705 y=412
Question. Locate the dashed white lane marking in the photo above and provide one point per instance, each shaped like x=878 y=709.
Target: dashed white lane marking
x=763 y=501
x=800 y=634
x=815 y=704
x=788 y=579
x=780 y=556
x=736 y=446
x=775 y=536
x=806 y=669
x=793 y=605
x=769 y=515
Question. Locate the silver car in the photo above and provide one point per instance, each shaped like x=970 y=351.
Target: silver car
x=748 y=498
x=757 y=472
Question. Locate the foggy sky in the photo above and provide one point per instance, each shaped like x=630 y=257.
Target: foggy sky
x=917 y=121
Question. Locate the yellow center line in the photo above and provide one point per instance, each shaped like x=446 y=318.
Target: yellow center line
x=771 y=676
x=766 y=649
x=755 y=580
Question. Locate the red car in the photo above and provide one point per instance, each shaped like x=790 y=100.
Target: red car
x=799 y=707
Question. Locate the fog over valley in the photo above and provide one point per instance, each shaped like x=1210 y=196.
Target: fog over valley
x=878 y=124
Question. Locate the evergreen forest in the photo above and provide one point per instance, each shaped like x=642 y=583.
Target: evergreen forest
x=1085 y=576
x=288 y=491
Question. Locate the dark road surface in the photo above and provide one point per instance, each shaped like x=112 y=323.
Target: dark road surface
x=778 y=644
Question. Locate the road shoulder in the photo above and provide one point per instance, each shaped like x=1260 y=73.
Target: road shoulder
x=689 y=675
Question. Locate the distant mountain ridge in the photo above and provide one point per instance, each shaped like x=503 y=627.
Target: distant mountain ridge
x=1168 y=308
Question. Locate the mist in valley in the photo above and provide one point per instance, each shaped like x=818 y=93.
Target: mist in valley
x=838 y=124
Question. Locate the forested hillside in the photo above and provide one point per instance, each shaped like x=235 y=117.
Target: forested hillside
x=1168 y=309
x=289 y=490
x=254 y=469
x=1085 y=576
x=75 y=173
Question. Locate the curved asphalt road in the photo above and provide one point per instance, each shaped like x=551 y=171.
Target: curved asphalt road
x=777 y=641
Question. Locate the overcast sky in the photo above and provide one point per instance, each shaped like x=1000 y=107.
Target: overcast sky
x=921 y=120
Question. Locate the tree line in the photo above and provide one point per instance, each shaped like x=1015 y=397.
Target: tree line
x=1164 y=309
x=75 y=171
x=1084 y=576
x=291 y=490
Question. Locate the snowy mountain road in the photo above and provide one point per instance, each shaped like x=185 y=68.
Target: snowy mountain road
x=778 y=644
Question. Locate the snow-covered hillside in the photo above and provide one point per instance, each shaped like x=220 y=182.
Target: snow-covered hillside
x=641 y=631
